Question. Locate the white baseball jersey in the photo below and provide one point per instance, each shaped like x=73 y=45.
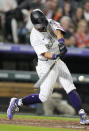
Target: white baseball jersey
x=47 y=41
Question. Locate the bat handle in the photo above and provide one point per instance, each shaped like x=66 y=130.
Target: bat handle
x=54 y=63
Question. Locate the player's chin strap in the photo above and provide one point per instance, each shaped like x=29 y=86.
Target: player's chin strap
x=41 y=80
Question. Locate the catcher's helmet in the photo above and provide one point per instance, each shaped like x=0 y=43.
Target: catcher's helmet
x=38 y=19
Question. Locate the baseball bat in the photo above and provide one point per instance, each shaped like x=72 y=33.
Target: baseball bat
x=41 y=80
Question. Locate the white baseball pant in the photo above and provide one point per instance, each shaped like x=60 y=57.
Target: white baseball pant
x=59 y=73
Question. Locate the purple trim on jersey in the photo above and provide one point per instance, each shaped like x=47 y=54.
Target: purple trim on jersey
x=75 y=100
x=31 y=99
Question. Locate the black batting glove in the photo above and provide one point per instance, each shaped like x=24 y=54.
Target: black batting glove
x=62 y=47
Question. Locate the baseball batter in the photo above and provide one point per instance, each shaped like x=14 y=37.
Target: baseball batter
x=48 y=42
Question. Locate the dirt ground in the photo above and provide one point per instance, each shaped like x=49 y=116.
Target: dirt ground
x=45 y=123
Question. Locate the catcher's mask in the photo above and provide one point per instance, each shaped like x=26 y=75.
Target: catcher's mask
x=39 y=20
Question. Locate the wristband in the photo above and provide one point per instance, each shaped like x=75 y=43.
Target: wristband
x=54 y=57
x=61 y=41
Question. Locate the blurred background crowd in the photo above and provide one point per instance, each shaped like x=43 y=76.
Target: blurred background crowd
x=15 y=24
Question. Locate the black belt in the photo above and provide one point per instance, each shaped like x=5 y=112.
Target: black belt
x=42 y=60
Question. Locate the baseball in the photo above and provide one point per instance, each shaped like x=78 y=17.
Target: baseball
x=81 y=78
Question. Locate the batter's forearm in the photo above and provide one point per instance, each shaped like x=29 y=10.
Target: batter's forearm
x=62 y=46
x=50 y=55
